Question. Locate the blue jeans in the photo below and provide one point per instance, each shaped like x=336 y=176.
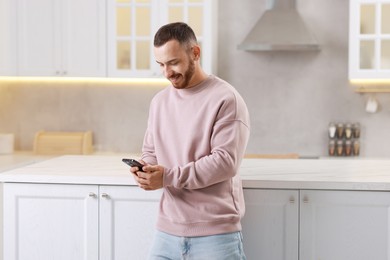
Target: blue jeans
x=217 y=247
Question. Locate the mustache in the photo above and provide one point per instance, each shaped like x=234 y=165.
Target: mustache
x=174 y=75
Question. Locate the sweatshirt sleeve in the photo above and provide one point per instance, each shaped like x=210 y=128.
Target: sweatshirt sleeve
x=148 y=155
x=148 y=151
x=228 y=143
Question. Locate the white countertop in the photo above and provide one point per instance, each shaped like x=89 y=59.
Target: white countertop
x=74 y=169
x=329 y=174
x=20 y=159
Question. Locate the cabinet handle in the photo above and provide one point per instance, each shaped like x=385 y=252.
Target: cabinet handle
x=292 y=200
x=92 y=195
x=305 y=199
x=105 y=195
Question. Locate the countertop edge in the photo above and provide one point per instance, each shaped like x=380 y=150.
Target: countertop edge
x=315 y=185
x=362 y=175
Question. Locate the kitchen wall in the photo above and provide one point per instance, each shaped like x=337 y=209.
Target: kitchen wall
x=116 y=113
x=292 y=96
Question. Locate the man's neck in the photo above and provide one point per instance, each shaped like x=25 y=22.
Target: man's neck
x=199 y=77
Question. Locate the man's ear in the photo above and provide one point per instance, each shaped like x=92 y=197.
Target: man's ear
x=196 y=52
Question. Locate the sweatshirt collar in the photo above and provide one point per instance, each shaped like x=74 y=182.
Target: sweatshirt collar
x=197 y=88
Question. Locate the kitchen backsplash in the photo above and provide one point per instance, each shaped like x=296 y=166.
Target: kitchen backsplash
x=116 y=115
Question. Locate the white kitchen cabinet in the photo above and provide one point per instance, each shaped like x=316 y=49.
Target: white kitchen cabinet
x=132 y=25
x=7 y=39
x=50 y=222
x=61 y=38
x=336 y=225
x=369 y=40
x=329 y=224
x=59 y=221
x=128 y=218
x=270 y=224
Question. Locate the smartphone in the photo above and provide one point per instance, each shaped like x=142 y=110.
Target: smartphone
x=133 y=163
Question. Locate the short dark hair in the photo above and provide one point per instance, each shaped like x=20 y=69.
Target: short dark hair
x=175 y=31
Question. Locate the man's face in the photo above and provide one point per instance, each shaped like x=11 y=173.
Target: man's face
x=176 y=64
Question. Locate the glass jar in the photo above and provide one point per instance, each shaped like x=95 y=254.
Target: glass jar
x=348 y=131
x=348 y=147
x=340 y=147
x=356 y=147
x=332 y=130
x=340 y=130
x=356 y=130
x=332 y=148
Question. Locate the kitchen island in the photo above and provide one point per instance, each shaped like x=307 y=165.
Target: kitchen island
x=323 y=174
x=89 y=207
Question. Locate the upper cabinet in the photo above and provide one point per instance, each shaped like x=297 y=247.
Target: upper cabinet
x=61 y=38
x=7 y=40
x=130 y=37
x=133 y=23
x=369 y=40
x=96 y=38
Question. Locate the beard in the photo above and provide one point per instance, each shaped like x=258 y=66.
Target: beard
x=186 y=77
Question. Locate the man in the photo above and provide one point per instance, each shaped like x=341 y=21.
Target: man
x=197 y=133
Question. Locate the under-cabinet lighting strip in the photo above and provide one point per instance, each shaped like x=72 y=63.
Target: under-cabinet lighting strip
x=141 y=81
x=371 y=85
x=367 y=82
x=372 y=89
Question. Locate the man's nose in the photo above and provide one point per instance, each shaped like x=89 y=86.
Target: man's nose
x=167 y=71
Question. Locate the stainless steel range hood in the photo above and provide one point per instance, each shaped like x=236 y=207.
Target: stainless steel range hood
x=280 y=28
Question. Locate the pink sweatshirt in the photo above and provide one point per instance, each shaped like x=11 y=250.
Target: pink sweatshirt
x=199 y=135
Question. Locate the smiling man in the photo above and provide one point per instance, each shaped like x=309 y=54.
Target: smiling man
x=197 y=133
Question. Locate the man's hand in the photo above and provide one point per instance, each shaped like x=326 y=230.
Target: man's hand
x=151 y=178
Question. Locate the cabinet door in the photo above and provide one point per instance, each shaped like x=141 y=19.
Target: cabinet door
x=83 y=38
x=48 y=221
x=369 y=40
x=38 y=37
x=128 y=216
x=201 y=16
x=61 y=38
x=7 y=38
x=270 y=224
x=132 y=25
x=337 y=225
